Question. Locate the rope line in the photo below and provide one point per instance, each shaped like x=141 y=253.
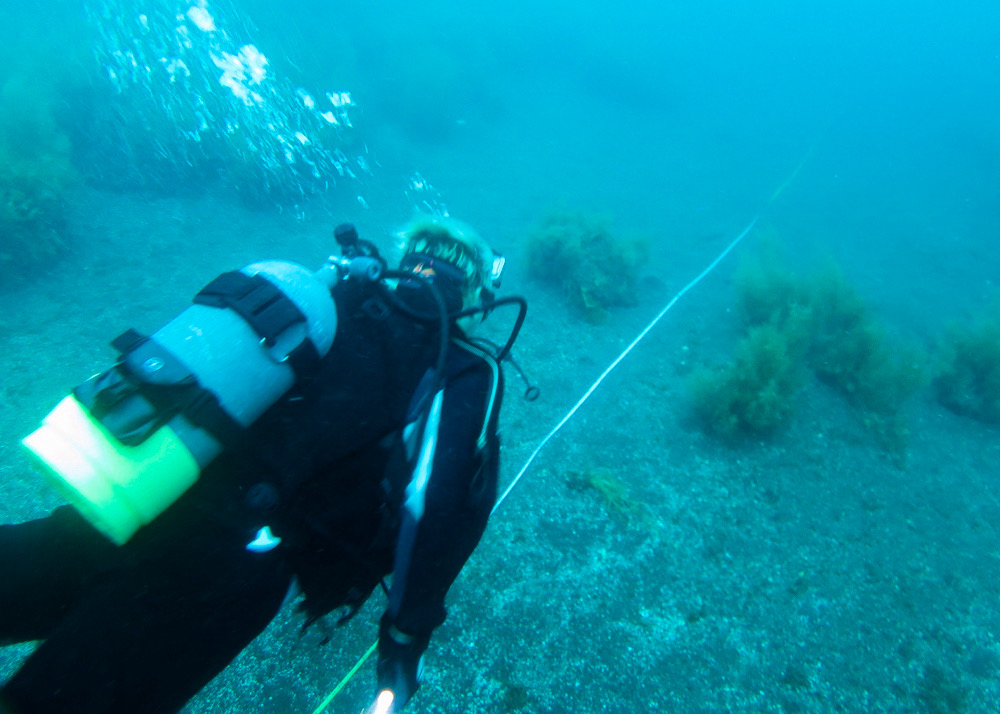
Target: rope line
x=347 y=678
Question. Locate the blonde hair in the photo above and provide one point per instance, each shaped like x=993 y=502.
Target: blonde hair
x=458 y=243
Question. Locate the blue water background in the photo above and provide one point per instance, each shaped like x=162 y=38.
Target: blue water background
x=671 y=116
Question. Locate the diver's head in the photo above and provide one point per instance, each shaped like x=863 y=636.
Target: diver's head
x=461 y=265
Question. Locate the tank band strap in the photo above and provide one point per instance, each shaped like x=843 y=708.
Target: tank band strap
x=254 y=298
x=267 y=310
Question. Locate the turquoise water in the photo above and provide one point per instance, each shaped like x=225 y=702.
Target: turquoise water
x=642 y=563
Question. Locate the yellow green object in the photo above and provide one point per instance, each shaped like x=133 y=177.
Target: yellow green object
x=117 y=488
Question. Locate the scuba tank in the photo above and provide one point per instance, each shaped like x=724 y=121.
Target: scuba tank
x=125 y=444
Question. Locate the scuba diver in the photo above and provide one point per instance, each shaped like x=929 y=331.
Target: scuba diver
x=199 y=507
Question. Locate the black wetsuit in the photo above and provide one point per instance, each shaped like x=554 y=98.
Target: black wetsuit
x=142 y=627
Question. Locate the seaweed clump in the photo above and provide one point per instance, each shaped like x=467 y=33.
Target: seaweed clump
x=968 y=381
x=817 y=323
x=35 y=173
x=594 y=269
x=755 y=393
x=610 y=491
x=852 y=352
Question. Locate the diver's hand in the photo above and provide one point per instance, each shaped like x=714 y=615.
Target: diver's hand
x=384 y=703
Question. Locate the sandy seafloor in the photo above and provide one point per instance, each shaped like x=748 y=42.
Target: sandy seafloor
x=809 y=573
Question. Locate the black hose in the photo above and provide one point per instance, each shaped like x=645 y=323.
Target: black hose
x=531 y=391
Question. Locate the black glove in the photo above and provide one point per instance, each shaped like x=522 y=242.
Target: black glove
x=400 y=661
